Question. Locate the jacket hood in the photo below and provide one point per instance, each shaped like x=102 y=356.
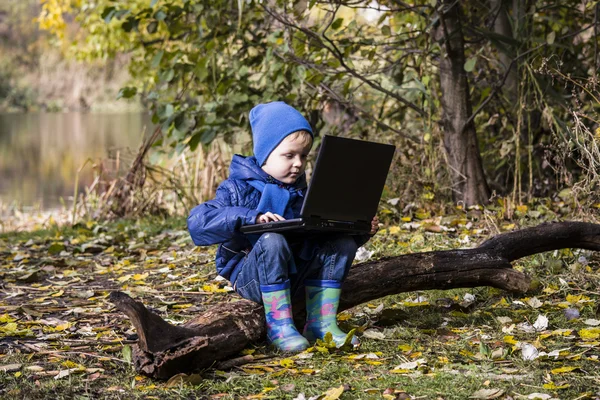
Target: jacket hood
x=247 y=168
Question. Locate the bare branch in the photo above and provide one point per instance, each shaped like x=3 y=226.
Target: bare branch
x=340 y=57
x=500 y=84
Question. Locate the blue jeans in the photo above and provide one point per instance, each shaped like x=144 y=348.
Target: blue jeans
x=273 y=260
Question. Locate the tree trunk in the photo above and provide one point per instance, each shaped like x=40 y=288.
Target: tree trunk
x=164 y=350
x=502 y=26
x=460 y=137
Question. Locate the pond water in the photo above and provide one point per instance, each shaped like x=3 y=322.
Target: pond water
x=41 y=153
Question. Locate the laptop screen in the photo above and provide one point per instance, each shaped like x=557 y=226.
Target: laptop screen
x=348 y=179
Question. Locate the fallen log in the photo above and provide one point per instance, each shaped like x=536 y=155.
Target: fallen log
x=164 y=350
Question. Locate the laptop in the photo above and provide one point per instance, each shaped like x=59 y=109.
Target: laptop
x=344 y=191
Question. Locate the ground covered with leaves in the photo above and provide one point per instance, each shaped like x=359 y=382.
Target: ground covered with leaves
x=61 y=338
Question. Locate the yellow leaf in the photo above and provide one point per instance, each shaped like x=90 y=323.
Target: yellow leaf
x=394 y=229
x=510 y=340
x=405 y=348
x=308 y=371
x=70 y=364
x=562 y=370
x=401 y=371
x=457 y=222
x=62 y=327
x=334 y=393
x=253 y=371
x=4 y=318
x=343 y=317
x=553 y=386
x=459 y=330
x=411 y=304
x=255 y=396
x=573 y=299
x=18 y=374
x=466 y=353
x=406 y=219
x=522 y=208
x=422 y=215
x=58 y=294
x=589 y=333
x=186 y=305
x=124 y=278
x=213 y=288
x=287 y=363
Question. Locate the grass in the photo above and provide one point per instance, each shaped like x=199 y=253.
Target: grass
x=55 y=317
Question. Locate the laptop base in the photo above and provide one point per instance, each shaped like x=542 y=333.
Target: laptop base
x=309 y=226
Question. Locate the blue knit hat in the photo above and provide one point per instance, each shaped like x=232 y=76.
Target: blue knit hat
x=271 y=123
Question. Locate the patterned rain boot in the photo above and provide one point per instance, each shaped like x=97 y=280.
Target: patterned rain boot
x=322 y=300
x=281 y=331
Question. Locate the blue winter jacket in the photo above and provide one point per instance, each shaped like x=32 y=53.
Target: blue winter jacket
x=219 y=220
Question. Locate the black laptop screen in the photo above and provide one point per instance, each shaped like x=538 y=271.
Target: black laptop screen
x=348 y=179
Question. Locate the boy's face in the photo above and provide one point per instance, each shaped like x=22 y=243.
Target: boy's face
x=287 y=162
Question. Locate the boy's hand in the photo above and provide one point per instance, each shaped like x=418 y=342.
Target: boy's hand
x=268 y=217
x=374 y=225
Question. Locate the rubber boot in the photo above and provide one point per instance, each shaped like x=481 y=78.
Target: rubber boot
x=322 y=301
x=281 y=331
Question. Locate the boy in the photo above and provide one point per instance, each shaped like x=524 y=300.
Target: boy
x=269 y=269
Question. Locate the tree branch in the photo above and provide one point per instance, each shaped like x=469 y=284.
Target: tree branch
x=227 y=328
x=340 y=57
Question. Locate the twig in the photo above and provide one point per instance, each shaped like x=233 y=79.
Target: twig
x=234 y=362
x=500 y=84
x=60 y=354
x=332 y=48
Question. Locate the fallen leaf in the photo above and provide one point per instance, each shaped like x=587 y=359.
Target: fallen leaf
x=529 y=352
x=553 y=386
x=412 y=364
x=176 y=380
x=563 y=370
x=287 y=363
x=10 y=367
x=373 y=334
x=534 y=302
x=539 y=396
x=487 y=394
x=127 y=353
x=333 y=393
x=541 y=323
x=591 y=322
x=65 y=372
x=589 y=333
